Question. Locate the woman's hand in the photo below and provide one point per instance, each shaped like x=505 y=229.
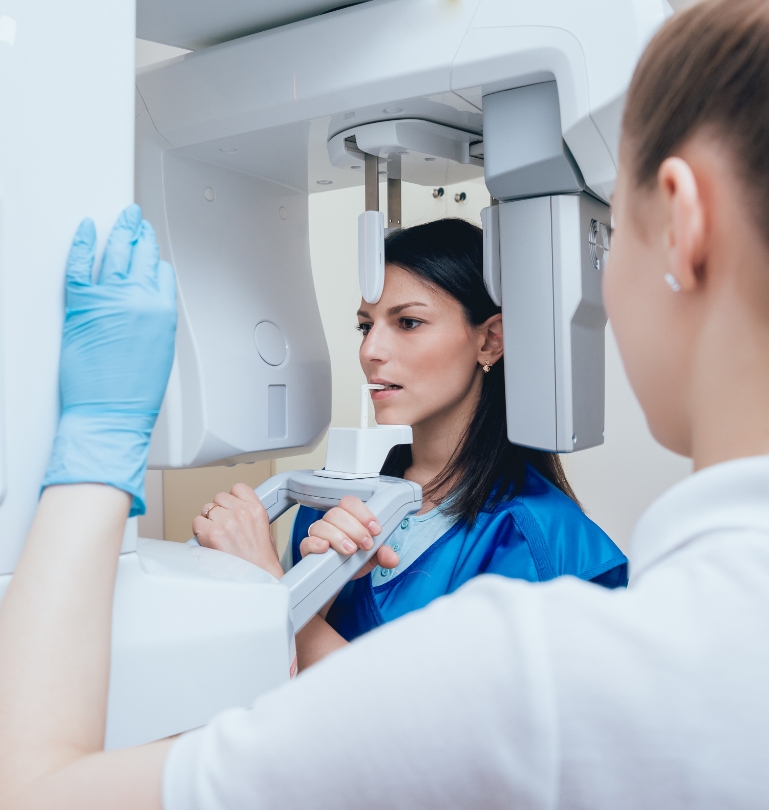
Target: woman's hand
x=237 y=523
x=346 y=528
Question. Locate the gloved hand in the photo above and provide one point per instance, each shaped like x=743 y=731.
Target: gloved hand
x=116 y=354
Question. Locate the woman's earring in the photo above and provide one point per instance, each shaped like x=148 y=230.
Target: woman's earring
x=486 y=367
x=672 y=283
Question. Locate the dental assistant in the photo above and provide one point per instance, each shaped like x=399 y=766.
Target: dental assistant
x=434 y=340
x=506 y=694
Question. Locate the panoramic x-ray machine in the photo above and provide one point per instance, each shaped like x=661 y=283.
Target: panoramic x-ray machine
x=277 y=101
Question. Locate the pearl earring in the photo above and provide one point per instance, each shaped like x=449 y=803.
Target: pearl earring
x=672 y=283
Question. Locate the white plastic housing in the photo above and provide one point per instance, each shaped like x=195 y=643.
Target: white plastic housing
x=371 y=255
x=554 y=321
x=492 y=276
x=51 y=176
x=252 y=376
x=361 y=452
x=397 y=59
x=195 y=631
x=404 y=137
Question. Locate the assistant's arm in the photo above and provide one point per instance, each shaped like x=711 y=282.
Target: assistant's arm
x=55 y=619
x=55 y=623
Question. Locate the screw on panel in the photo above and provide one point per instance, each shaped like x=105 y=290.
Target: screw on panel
x=394 y=203
x=460 y=197
x=438 y=192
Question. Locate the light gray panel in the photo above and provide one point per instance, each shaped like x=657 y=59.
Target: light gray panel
x=525 y=247
x=524 y=151
x=197 y=24
x=276 y=412
x=580 y=321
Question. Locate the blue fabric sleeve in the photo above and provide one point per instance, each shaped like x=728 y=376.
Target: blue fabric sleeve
x=305 y=517
x=613 y=578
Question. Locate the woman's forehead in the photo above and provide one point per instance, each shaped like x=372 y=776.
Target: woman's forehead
x=401 y=285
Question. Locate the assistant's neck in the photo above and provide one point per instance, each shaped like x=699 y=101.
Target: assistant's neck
x=729 y=401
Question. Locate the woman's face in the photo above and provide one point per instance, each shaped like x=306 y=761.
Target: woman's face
x=417 y=342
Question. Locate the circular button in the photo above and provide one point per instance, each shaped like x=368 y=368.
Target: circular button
x=270 y=343
x=405 y=524
x=385 y=572
x=396 y=547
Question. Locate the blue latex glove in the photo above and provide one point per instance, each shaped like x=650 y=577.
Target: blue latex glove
x=116 y=355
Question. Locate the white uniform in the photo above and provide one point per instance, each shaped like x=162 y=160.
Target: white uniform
x=553 y=695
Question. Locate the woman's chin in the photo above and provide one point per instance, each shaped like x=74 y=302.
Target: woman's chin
x=389 y=416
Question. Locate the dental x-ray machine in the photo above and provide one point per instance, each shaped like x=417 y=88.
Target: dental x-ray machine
x=277 y=101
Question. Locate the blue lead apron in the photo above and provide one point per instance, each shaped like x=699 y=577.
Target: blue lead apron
x=536 y=536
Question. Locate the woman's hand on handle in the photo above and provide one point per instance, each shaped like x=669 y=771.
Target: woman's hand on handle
x=237 y=523
x=347 y=528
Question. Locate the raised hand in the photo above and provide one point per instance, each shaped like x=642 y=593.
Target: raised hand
x=116 y=354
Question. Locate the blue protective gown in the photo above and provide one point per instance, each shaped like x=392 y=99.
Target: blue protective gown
x=538 y=535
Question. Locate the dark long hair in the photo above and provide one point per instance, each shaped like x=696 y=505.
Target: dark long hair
x=448 y=254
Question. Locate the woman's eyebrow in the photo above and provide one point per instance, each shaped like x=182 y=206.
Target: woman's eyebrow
x=361 y=313
x=395 y=310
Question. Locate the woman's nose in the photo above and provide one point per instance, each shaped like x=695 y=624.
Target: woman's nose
x=373 y=348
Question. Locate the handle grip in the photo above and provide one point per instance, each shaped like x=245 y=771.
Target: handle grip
x=315 y=579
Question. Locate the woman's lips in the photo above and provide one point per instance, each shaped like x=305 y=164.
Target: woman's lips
x=385 y=393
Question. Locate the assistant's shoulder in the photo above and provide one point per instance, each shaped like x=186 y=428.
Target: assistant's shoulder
x=560 y=532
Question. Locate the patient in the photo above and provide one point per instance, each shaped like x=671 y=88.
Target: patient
x=434 y=340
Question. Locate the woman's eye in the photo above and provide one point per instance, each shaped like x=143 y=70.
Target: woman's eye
x=409 y=323
x=364 y=328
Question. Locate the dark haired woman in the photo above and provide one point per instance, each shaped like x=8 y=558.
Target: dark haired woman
x=434 y=340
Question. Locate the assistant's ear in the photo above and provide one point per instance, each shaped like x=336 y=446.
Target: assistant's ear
x=684 y=223
x=492 y=344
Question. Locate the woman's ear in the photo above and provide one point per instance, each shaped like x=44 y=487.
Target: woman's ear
x=492 y=343
x=684 y=223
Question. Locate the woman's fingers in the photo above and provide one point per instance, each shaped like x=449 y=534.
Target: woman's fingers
x=200 y=528
x=361 y=513
x=227 y=501
x=348 y=526
x=355 y=520
x=323 y=535
x=387 y=558
x=336 y=538
x=236 y=523
x=244 y=493
x=313 y=545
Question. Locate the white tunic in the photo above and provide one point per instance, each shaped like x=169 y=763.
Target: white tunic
x=516 y=695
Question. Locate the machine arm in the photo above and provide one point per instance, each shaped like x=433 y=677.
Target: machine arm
x=315 y=580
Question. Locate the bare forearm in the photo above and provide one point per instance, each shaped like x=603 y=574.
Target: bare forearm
x=315 y=641
x=55 y=623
